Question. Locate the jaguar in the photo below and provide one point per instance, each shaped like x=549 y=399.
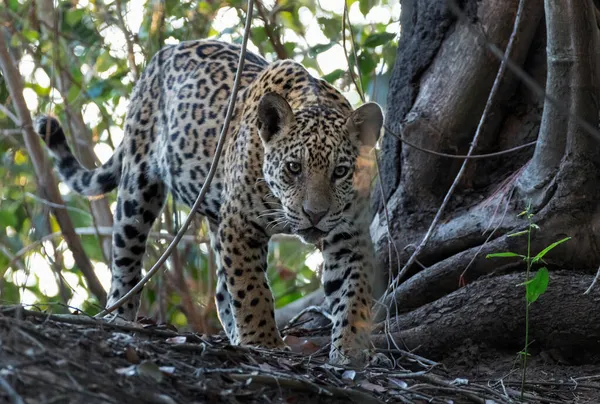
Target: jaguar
x=289 y=165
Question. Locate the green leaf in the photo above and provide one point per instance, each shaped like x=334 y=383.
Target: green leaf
x=31 y=35
x=366 y=63
x=7 y=218
x=333 y=76
x=73 y=17
x=258 y=35
x=365 y=6
x=504 y=255
x=320 y=48
x=378 y=38
x=331 y=27
x=547 y=249
x=538 y=285
x=13 y=5
x=104 y=61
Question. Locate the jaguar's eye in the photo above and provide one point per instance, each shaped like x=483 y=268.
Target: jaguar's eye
x=340 y=171
x=294 y=168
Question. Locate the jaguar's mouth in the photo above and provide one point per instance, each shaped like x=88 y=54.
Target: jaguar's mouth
x=311 y=234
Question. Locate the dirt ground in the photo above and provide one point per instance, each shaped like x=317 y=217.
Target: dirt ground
x=48 y=358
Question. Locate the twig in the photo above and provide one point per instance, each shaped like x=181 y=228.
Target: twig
x=209 y=177
x=12 y=116
x=102 y=231
x=459 y=156
x=459 y=175
x=58 y=205
x=350 y=69
x=592 y=377
x=274 y=38
x=489 y=237
x=12 y=394
x=87 y=320
x=12 y=259
x=127 y=35
x=10 y=132
x=588 y=290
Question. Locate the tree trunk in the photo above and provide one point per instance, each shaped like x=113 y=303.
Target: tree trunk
x=440 y=83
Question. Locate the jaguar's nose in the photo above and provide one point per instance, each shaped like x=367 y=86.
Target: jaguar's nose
x=314 y=216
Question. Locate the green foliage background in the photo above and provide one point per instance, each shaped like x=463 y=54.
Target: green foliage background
x=82 y=51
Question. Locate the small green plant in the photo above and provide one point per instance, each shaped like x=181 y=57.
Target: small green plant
x=534 y=286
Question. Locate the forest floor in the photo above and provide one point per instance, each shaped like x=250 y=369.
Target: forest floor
x=48 y=358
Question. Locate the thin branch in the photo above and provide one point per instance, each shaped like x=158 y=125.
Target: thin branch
x=10 y=114
x=10 y=132
x=12 y=394
x=588 y=290
x=269 y=29
x=13 y=259
x=57 y=205
x=84 y=319
x=127 y=34
x=209 y=177
x=94 y=231
x=350 y=69
x=459 y=156
x=460 y=173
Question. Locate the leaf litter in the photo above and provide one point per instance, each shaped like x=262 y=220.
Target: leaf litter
x=73 y=358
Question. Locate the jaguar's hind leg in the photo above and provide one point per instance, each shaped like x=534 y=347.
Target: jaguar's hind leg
x=222 y=296
x=139 y=202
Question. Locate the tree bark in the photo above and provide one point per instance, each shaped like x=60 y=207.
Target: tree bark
x=438 y=108
x=492 y=311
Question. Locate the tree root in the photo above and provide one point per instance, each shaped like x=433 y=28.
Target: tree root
x=491 y=311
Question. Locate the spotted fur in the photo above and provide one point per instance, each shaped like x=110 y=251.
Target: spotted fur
x=288 y=167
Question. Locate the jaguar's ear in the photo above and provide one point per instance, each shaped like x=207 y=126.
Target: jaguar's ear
x=274 y=113
x=365 y=123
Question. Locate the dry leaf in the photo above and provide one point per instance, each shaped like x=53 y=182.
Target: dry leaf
x=176 y=340
x=167 y=369
x=128 y=371
x=131 y=355
x=373 y=387
x=349 y=375
x=301 y=345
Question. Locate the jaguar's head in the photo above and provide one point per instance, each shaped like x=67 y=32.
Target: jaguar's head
x=310 y=157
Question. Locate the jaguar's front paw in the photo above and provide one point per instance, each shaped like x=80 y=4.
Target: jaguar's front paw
x=341 y=357
x=115 y=318
x=359 y=358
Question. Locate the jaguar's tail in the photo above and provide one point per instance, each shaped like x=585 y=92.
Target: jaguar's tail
x=81 y=180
